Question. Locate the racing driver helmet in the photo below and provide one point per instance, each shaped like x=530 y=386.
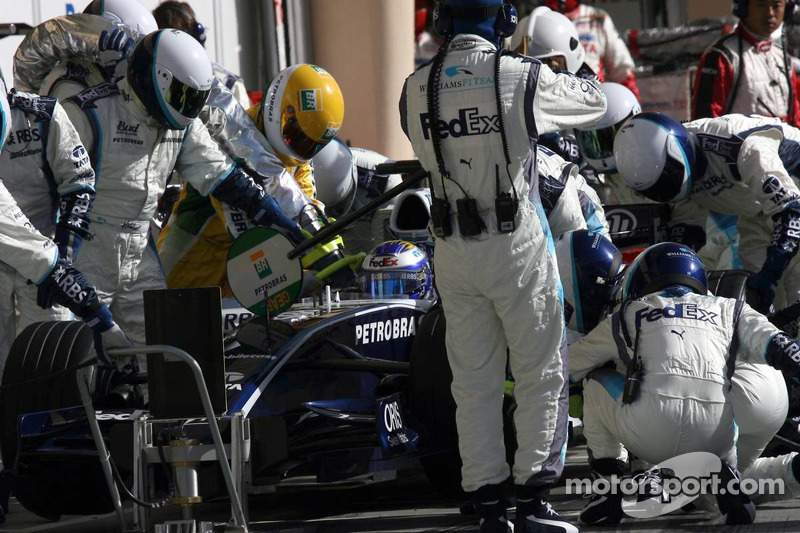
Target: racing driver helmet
x=589 y=265
x=655 y=156
x=548 y=34
x=171 y=74
x=596 y=142
x=5 y=111
x=128 y=12
x=302 y=110
x=396 y=269
x=660 y=266
x=336 y=177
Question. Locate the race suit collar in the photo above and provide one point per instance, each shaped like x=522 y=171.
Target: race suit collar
x=759 y=42
x=469 y=41
x=134 y=105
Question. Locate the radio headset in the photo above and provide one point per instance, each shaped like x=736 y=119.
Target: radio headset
x=506 y=205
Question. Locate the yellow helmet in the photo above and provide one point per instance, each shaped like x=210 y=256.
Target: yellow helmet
x=302 y=111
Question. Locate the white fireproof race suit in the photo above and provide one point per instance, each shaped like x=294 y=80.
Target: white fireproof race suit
x=690 y=346
x=500 y=289
x=133 y=156
x=745 y=167
x=568 y=201
x=44 y=164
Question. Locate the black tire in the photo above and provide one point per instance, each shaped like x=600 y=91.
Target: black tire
x=432 y=405
x=40 y=375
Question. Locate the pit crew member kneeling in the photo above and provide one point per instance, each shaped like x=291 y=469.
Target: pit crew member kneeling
x=680 y=347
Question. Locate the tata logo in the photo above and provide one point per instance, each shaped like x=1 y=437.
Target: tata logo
x=621 y=221
x=469 y=122
x=386 y=261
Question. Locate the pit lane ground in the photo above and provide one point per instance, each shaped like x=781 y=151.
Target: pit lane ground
x=406 y=505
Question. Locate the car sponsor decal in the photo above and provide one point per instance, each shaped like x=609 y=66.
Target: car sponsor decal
x=261 y=277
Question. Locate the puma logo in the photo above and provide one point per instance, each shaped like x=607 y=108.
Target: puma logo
x=678 y=334
x=468 y=163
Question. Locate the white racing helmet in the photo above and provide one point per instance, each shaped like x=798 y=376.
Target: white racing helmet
x=171 y=74
x=655 y=157
x=335 y=175
x=546 y=33
x=5 y=111
x=411 y=214
x=128 y=12
x=596 y=142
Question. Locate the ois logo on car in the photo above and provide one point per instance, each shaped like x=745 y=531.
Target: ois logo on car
x=621 y=221
x=392 y=418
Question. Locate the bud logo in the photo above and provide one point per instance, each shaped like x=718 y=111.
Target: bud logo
x=469 y=122
x=261 y=264
x=383 y=261
x=310 y=100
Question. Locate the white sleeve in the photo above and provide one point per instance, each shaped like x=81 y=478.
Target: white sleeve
x=563 y=101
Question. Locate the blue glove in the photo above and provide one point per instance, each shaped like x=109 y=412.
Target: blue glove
x=114 y=45
x=765 y=282
x=67 y=286
x=270 y=214
x=107 y=335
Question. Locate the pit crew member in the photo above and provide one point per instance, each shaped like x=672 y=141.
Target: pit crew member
x=485 y=207
x=737 y=165
x=137 y=131
x=47 y=171
x=750 y=70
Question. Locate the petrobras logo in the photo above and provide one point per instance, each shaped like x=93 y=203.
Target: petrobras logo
x=386 y=330
x=310 y=100
x=260 y=264
x=469 y=122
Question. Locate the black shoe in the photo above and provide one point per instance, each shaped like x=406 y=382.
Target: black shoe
x=602 y=509
x=734 y=504
x=490 y=504
x=499 y=524
x=538 y=516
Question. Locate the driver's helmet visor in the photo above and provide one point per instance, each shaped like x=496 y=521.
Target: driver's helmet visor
x=598 y=144
x=296 y=139
x=185 y=100
x=392 y=284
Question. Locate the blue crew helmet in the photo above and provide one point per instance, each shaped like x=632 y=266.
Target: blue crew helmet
x=663 y=265
x=589 y=265
x=396 y=269
x=655 y=156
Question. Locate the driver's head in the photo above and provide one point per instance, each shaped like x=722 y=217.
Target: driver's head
x=171 y=74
